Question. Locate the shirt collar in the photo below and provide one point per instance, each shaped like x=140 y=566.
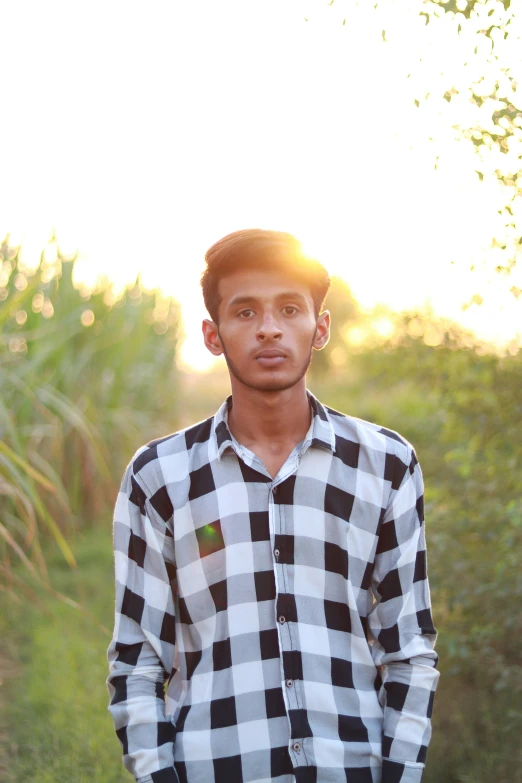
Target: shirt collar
x=321 y=431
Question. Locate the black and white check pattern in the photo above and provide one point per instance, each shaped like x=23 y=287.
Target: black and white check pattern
x=290 y=616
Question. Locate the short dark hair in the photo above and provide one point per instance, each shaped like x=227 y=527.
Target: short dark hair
x=257 y=248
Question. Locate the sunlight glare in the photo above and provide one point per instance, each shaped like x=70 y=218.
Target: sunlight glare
x=384 y=327
x=326 y=142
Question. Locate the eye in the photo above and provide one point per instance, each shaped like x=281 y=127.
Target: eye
x=290 y=310
x=248 y=313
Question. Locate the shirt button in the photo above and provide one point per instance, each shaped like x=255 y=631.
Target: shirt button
x=289 y=683
x=296 y=746
x=282 y=619
x=276 y=553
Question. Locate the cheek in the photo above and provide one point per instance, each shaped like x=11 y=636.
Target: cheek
x=307 y=334
x=235 y=339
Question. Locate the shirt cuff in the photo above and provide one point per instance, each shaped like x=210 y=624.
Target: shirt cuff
x=167 y=775
x=400 y=772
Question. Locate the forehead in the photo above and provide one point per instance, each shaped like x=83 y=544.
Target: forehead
x=260 y=284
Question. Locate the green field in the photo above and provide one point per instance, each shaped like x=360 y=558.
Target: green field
x=59 y=727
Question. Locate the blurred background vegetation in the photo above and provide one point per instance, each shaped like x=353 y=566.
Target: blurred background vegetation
x=88 y=376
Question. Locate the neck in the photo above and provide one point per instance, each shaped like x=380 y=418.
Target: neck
x=278 y=418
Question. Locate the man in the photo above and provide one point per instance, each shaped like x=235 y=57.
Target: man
x=271 y=563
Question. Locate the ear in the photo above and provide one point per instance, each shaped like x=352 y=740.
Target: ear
x=322 y=330
x=211 y=337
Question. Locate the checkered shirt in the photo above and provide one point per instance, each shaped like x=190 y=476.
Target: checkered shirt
x=273 y=628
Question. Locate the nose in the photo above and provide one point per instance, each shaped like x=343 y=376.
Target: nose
x=269 y=329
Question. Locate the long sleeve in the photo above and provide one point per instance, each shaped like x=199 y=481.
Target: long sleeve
x=141 y=653
x=402 y=628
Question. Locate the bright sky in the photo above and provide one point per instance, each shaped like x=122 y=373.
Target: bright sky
x=143 y=132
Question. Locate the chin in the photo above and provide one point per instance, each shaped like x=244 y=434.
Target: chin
x=272 y=384
x=275 y=386
x=268 y=381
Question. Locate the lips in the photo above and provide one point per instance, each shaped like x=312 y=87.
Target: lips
x=270 y=357
x=269 y=353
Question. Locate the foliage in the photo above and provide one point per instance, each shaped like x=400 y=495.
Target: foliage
x=59 y=726
x=462 y=410
x=75 y=365
x=461 y=65
x=487 y=36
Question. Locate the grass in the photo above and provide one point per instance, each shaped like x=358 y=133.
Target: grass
x=59 y=729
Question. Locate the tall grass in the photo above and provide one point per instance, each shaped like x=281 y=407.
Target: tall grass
x=76 y=397
x=59 y=728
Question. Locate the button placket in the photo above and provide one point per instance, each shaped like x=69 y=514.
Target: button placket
x=289 y=640
x=282 y=621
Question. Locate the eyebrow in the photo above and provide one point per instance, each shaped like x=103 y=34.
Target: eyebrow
x=244 y=300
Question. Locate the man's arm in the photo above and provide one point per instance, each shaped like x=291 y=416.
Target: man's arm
x=402 y=628
x=142 y=649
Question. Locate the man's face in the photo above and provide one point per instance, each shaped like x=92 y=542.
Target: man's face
x=267 y=329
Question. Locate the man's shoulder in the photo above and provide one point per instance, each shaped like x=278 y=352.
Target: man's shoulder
x=368 y=434
x=169 y=453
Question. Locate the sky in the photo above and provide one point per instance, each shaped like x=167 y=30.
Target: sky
x=142 y=133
